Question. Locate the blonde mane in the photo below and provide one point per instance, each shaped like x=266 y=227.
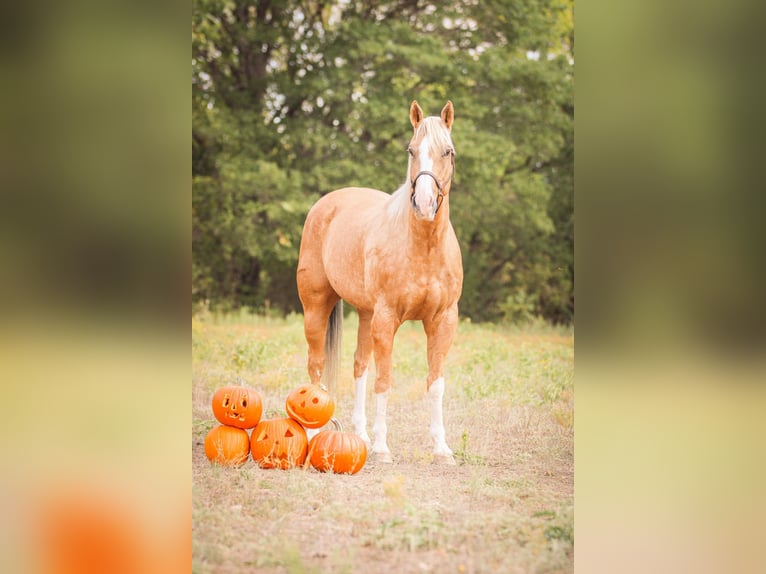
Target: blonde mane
x=433 y=128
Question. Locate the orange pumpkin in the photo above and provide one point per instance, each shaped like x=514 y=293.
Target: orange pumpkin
x=311 y=405
x=279 y=443
x=338 y=451
x=228 y=446
x=237 y=406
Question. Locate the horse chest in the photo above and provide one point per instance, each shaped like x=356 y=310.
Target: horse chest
x=419 y=289
x=422 y=298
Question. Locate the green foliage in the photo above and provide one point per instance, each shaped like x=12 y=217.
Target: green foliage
x=291 y=100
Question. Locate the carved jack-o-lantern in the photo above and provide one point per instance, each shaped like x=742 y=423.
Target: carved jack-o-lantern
x=337 y=451
x=279 y=443
x=237 y=406
x=227 y=445
x=311 y=405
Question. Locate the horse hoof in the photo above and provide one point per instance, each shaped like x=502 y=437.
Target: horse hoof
x=447 y=459
x=383 y=457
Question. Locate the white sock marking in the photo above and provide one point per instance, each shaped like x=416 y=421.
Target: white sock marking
x=435 y=397
x=311 y=432
x=379 y=429
x=359 y=418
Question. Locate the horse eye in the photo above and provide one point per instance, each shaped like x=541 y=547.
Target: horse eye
x=448 y=152
x=409 y=151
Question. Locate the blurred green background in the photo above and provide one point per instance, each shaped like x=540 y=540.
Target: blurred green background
x=294 y=99
x=96 y=259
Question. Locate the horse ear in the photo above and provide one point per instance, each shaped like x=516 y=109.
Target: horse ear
x=448 y=114
x=416 y=114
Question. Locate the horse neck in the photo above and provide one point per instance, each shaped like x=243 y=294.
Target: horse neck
x=429 y=235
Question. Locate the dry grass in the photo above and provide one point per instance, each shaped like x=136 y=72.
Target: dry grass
x=506 y=507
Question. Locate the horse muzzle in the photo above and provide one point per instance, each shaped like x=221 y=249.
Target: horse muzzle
x=424 y=202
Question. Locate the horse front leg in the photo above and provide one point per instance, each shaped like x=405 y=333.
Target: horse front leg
x=361 y=364
x=440 y=332
x=384 y=326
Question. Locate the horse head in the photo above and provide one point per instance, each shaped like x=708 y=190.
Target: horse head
x=432 y=160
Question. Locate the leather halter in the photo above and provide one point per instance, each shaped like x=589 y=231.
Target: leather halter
x=439 y=186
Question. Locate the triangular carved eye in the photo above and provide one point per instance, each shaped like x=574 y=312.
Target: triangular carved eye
x=226 y=402
x=302 y=391
x=288 y=434
x=244 y=403
x=264 y=436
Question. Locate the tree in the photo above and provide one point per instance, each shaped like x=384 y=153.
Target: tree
x=293 y=99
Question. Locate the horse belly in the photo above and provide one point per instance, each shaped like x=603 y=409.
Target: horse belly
x=346 y=276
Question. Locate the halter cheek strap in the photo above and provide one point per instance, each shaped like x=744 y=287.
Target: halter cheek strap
x=440 y=199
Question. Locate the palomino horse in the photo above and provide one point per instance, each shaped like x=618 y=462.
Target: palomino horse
x=394 y=258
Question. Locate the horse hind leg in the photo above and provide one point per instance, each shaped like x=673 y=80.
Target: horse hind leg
x=315 y=317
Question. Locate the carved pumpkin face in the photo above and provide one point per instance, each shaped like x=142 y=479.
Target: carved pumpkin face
x=311 y=405
x=237 y=406
x=279 y=443
x=228 y=446
x=337 y=451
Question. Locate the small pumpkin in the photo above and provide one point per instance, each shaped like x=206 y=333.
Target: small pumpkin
x=228 y=446
x=237 y=406
x=279 y=443
x=311 y=405
x=338 y=451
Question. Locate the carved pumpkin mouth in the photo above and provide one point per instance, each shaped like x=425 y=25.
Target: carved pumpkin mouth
x=233 y=413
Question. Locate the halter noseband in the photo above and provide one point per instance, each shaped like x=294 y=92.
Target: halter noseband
x=440 y=199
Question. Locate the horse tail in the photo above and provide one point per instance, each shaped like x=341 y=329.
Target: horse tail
x=332 y=345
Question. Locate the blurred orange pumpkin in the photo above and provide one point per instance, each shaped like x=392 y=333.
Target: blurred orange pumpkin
x=279 y=443
x=338 y=451
x=311 y=405
x=228 y=446
x=237 y=406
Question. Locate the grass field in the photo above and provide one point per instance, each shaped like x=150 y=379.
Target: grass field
x=506 y=507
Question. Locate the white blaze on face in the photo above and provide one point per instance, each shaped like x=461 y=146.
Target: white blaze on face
x=424 y=193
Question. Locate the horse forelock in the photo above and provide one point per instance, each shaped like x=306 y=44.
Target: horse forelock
x=437 y=133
